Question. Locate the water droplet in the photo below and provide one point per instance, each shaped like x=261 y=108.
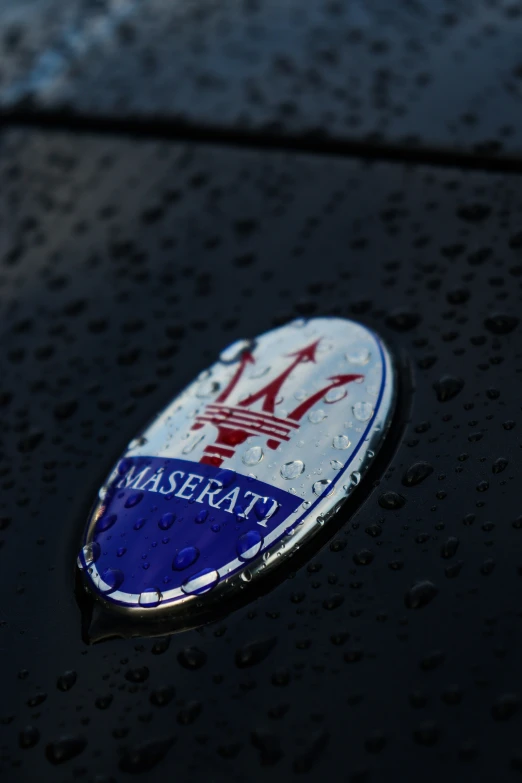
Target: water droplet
x=226 y=477
x=391 y=500
x=499 y=465
x=124 y=466
x=88 y=555
x=207 y=388
x=162 y=696
x=449 y=547
x=134 y=499
x=28 y=737
x=120 y=551
x=333 y=602
x=134 y=444
x=417 y=473
x=143 y=757
x=316 y=417
x=254 y=652
x=150 y=597
x=420 y=594
x=341 y=442
x=253 y=455
x=355 y=478
x=234 y=351
x=447 y=387
x=139 y=524
x=259 y=372
x=501 y=324
x=66 y=680
x=192 y=658
x=184 y=558
x=335 y=464
x=320 y=486
x=334 y=395
x=266 y=508
x=167 y=520
x=249 y=545
x=161 y=646
x=201 y=582
x=138 y=674
x=111 y=579
x=191 y=445
x=201 y=516
x=363 y=411
x=64 y=749
x=359 y=356
x=105 y=522
x=291 y=470
x=363 y=557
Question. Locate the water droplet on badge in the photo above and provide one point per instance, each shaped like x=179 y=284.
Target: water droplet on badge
x=185 y=558
x=253 y=455
x=291 y=470
x=335 y=464
x=139 y=524
x=249 y=545
x=258 y=372
x=207 y=388
x=136 y=443
x=355 y=478
x=316 y=417
x=201 y=516
x=167 y=520
x=320 y=486
x=110 y=580
x=201 y=582
x=359 y=356
x=334 y=395
x=88 y=555
x=363 y=411
x=150 y=597
x=341 y=442
x=234 y=351
x=105 y=522
x=226 y=477
x=191 y=445
x=134 y=499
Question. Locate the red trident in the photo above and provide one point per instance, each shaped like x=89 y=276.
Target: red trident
x=236 y=424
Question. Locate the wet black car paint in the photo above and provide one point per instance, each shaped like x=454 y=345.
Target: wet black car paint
x=126 y=265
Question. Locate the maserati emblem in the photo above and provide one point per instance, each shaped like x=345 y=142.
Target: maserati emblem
x=245 y=465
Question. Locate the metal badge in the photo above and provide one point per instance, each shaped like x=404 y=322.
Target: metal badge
x=244 y=466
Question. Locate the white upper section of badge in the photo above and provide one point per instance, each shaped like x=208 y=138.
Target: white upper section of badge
x=303 y=408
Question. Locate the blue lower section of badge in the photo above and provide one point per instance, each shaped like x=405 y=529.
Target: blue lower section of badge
x=171 y=524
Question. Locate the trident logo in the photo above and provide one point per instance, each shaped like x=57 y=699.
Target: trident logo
x=237 y=423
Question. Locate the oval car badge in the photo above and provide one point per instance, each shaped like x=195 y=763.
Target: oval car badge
x=244 y=466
